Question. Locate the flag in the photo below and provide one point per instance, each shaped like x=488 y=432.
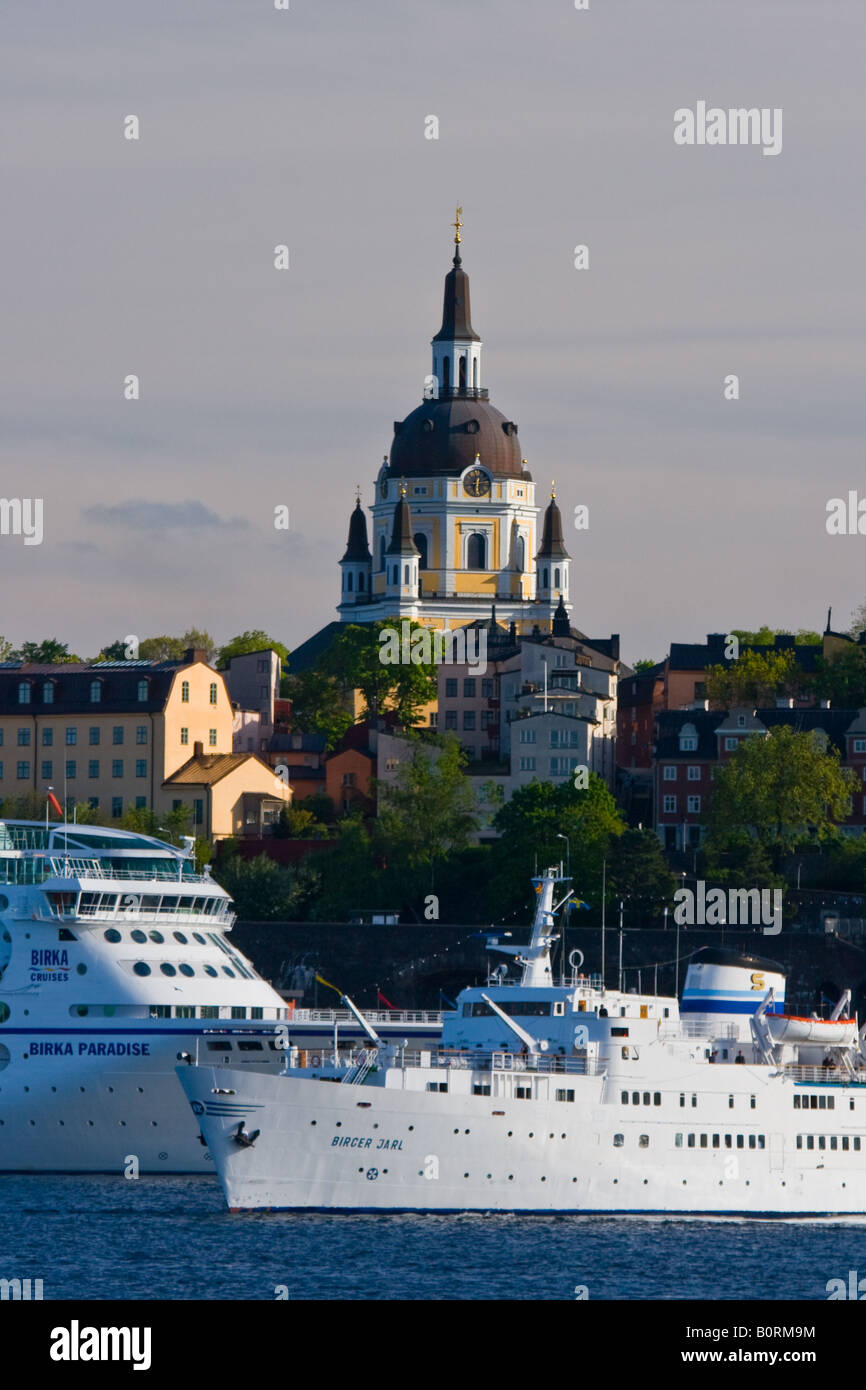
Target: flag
x=323 y=981
x=55 y=803
x=386 y=1002
x=579 y=902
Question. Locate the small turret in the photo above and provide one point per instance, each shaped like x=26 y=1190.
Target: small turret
x=552 y=560
x=357 y=563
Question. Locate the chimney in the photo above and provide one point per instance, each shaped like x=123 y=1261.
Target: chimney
x=193 y=654
x=198 y=749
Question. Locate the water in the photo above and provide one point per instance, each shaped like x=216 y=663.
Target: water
x=171 y=1238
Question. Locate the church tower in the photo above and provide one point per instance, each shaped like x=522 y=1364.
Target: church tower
x=552 y=560
x=454 y=520
x=357 y=562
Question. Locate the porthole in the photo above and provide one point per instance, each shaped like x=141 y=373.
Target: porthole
x=156 y=936
x=186 y=969
x=4 y=1012
x=5 y=1056
x=197 y=936
x=167 y=968
x=80 y=1010
x=112 y=935
x=138 y=935
x=179 y=936
x=81 y=968
x=141 y=968
x=209 y=970
x=227 y=971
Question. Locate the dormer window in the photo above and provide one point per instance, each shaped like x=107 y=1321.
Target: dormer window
x=48 y=693
x=741 y=721
x=24 y=692
x=142 y=690
x=95 y=692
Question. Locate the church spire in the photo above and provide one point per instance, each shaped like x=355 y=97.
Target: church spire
x=457 y=347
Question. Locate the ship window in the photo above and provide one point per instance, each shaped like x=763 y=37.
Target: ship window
x=813 y=1102
x=619 y=1032
x=160 y=1011
x=845 y=1143
x=186 y=969
x=254 y=1047
x=678 y=1141
x=635 y=1097
x=822 y=1102
x=209 y=1011
x=481 y=1090
x=730 y=1102
x=179 y=936
x=694 y=1101
x=624 y=1097
x=167 y=968
x=752 y=1142
x=197 y=936
x=618 y=1141
x=643 y=1141
x=209 y=970
x=751 y=1102
x=228 y=972
x=857 y=1142
x=739 y=1141
x=682 y=1099
x=646 y=1097
x=141 y=968
x=703 y=1141
x=112 y=935
x=831 y=1102
x=657 y=1097
x=138 y=935
x=799 y=1141
x=565 y=1095
x=691 y=1141
x=522 y=1092
x=717 y=1143
x=822 y=1142
x=728 y=1144
x=156 y=936
x=219 y=1046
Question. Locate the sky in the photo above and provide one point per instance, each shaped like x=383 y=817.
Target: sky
x=262 y=388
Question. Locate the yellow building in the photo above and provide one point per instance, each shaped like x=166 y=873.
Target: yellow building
x=454 y=518
x=114 y=733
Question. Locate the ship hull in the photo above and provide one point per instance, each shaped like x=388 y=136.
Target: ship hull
x=337 y=1147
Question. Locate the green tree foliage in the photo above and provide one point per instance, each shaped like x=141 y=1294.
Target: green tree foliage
x=264 y=891
x=841 y=679
x=645 y=664
x=755 y=678
x=737 y=860
x=766 y=636
x=5 y=649
x=299 y=823
x=318 y=705
x=780 y=789
x=47 y=653
x=637 y=871
x=427 y=813
x=351 y=875
x=354 y=661
x=529 y=825
x=254 y=641
x=173 y=648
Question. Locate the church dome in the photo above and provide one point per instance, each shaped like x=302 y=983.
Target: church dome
x=442 y=437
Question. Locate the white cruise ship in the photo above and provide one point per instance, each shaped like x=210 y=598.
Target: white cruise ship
x=565 y=1098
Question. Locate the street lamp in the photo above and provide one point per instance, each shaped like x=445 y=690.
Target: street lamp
x=568 y=854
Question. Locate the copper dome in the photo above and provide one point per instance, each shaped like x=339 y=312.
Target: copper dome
x=442 y=437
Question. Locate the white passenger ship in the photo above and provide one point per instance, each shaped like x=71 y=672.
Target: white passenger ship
x=565 y=1098
x=115 y=964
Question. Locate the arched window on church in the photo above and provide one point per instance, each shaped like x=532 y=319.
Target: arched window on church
x=520 y=554
x=361 y=584
x=475 y=372
x=405 y=574
x=446 y=373
x=556 y=584
x=545 y=575
x=476 y=557
x=463 y=371
x=421 y=542
x=349 y=582
x=382 y=551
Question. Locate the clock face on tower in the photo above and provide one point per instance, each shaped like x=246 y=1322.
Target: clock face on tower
x=476 y=483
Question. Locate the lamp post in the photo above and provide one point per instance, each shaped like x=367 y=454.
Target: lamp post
x=568 y=854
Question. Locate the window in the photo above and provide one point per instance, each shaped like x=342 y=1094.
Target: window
x=421 y=542
x=670 y=774
x=93 y=767
x=141 y=803
x=47 y=771
x=688 y=743
x=741 y=721
x=213 y=692
x=142 y=690
x=141 y=767
x=487 y=688
x=860 y=745
x=48 y=693
x=184 y=692
x=694 y=774
x=731 y=743
x=451 y=719
x=184 y=736
x=476 y=552
x=693 y=804
x=211 y=738
x=198 y=812
x=47 y=738
x=140 y=733
x=71 y=735
x=469 y=688
x=450 y=688
x=71 y=767
x=24 y=692
x=527 y=764
x=95 y=692
x=93 y=735
x=23 y=772
x=117 y=767
x=618 y=1141
x=643 y=1141
x=23 y=738
x=469 y=719
x=670 y=803
x=117 y=734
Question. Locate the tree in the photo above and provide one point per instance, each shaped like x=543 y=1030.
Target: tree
x=766 y=636
x=530 y=825
x=427 y=812
x=756 y=678
x=264 y=891
x=318 y=706
x=645 y=664
x=254 y=641
x=47 y=653
x=355 y=661
x=637 y=870
x=737 y=860
x=173 y=648
x=114 y=651
x=841 y=679
x=780 y=789
x=350 y=875
x=298 y=823
x=5 y=649
x=858 y=621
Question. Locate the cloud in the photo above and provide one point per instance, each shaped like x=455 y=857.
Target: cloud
x=143 y=515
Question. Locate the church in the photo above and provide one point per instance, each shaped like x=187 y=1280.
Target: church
x=454 y=520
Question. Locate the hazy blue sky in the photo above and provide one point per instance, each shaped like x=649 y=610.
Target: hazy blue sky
x=259 y=388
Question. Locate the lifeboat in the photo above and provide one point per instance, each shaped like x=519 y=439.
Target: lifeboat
x=824 y=1032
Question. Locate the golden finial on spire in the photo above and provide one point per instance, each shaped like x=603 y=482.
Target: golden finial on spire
x=403 y=487
x=457 y=224
x=357 y=492
x=553 y=489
